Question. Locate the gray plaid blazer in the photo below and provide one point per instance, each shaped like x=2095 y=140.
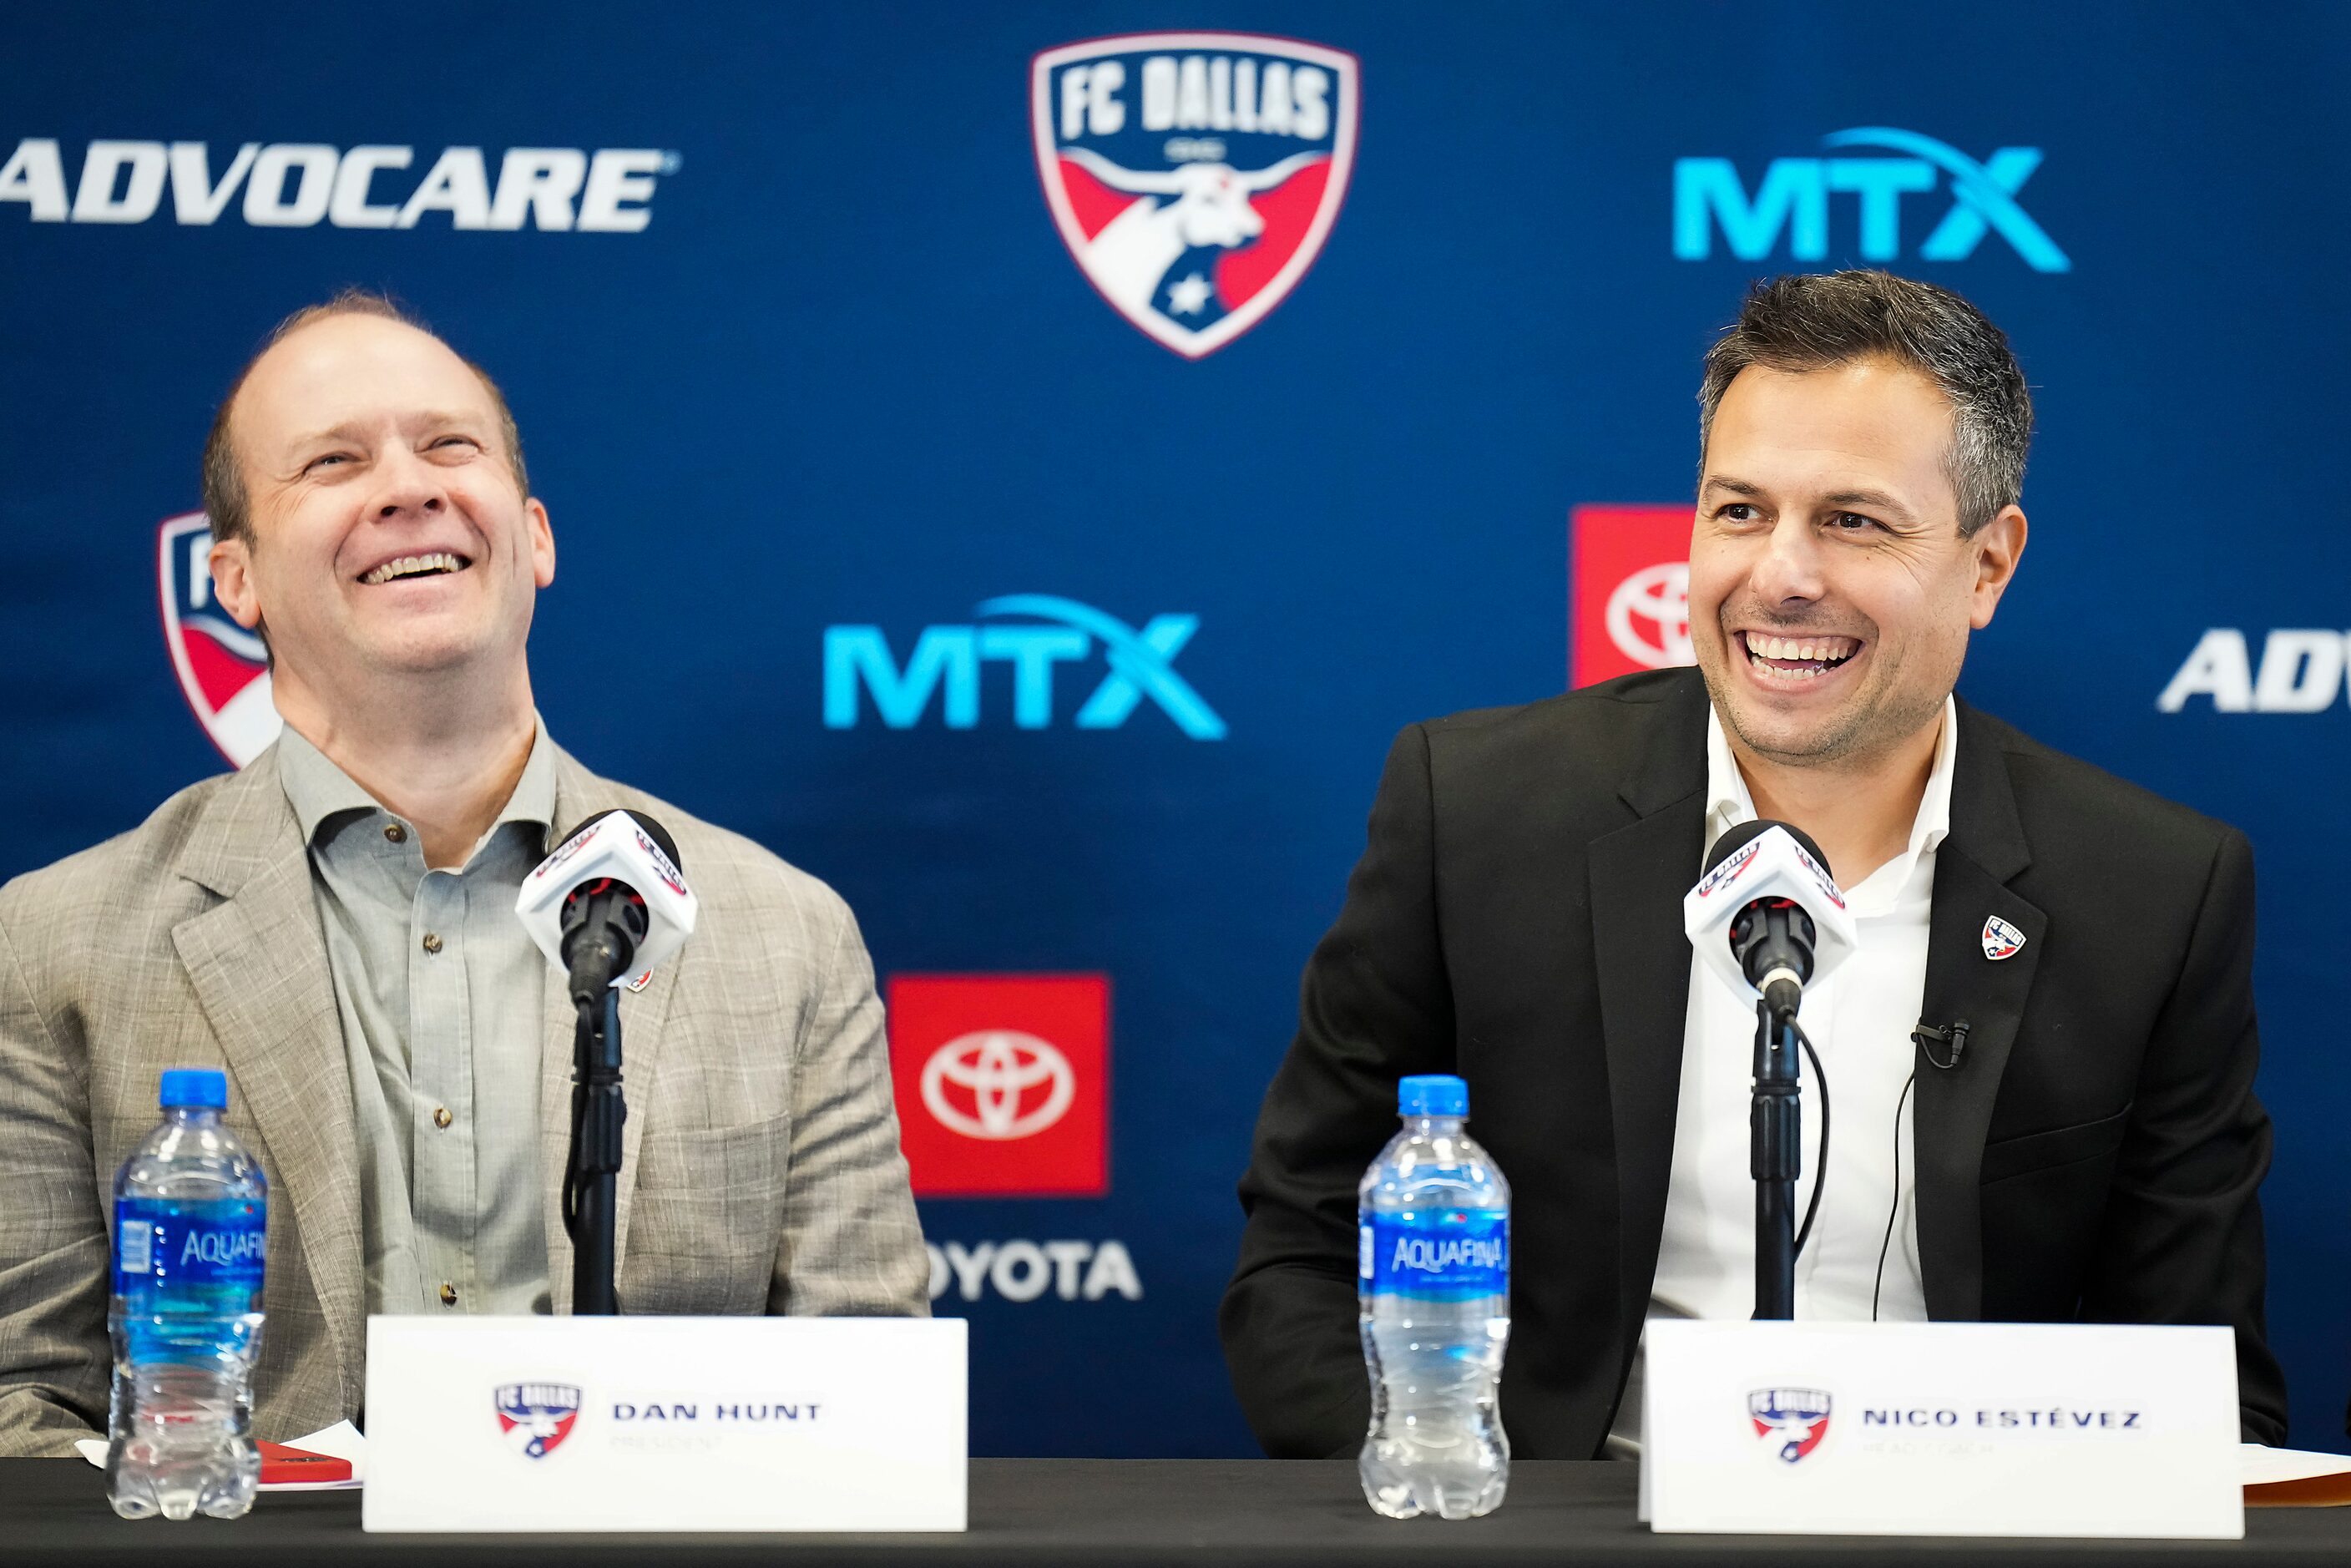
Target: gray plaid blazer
x=761 y=1173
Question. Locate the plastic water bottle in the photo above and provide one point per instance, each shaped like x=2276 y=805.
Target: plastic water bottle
x=1434 y=1301
x=191 y=1209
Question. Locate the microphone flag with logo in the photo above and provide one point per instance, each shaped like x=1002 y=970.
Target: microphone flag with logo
x=619 y=873
x=1773 y=866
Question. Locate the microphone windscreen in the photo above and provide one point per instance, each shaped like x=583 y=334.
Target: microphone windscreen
x=653 y=830
x=634 y=850
x=1768 y=864
x=1732 y=838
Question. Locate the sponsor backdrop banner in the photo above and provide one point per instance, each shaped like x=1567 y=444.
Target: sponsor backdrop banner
x=1034 y=458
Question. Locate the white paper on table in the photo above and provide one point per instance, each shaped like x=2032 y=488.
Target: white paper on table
x=340 y=1441
x=2265 y=1467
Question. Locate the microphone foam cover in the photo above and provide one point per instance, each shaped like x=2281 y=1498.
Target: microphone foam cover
x=1732 y=838
x=1767 y=861
x=653 y=830
x=629 y=849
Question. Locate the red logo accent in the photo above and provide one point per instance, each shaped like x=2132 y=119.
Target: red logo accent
x=1628 y=590
x=1003 y=1083
x=1796 y=1440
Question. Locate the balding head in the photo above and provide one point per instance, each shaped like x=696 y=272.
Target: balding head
x=227 y=498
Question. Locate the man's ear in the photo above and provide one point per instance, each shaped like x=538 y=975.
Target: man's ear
x=542 y=542
x=1998 y=546
x=231 y=562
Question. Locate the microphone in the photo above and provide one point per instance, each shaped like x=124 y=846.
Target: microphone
x=609 y=902
x=1953 y=1035
x=1767 y=915
x=609 y=897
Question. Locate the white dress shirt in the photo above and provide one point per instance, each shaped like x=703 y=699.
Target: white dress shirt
x=1859 y=1019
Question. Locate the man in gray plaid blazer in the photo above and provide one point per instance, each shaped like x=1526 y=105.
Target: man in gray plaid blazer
x=335 y=925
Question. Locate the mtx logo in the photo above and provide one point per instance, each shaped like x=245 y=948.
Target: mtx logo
x=2300 y=672
x=298 y=185
x=1629 y=585
x=945 y=661
x=1002 y=1082
x=1194 y=175
x=1793 y=200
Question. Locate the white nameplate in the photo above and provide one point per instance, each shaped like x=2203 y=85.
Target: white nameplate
x=1941 y=1429
x=665 y=1423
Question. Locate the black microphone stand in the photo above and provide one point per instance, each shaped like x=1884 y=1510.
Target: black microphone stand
x=1775 y=1160
x=591 y=1180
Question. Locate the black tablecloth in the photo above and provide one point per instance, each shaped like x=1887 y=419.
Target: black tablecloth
x=1229 y=1514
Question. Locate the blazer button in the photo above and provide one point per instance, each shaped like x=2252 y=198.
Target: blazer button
x=395 y=833
x=432 y=942
x=448 y=1294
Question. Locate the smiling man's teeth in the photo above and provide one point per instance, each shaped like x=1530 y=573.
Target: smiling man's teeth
x=412 y=565
x=1792 y=672
x=1800 y=648
x=1799 y=658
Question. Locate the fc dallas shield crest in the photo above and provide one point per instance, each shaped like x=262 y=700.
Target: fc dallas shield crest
x=224 y=668
x=2000 y=940
x=1194 y=175
x=535 y=1418
x=1792 y=1420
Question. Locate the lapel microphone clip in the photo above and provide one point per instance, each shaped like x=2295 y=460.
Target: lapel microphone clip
x=1929 y=1037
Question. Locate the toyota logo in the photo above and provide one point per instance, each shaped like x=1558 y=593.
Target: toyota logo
x=1648 y=616
x=1017 y=1085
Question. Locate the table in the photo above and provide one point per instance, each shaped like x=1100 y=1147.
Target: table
x=1203 y=1513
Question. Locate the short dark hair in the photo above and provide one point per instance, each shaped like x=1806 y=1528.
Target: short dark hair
x=226 y=503
x=1812 y=321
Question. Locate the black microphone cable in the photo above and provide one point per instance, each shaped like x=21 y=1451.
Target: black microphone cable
x=1895 y=1209
x=1927 y=1036
x=1821 y=1160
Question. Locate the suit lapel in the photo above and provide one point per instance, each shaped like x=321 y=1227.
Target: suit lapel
x=579 y=794
x=257 y=962
x=1638 y=875
x=1985 y=851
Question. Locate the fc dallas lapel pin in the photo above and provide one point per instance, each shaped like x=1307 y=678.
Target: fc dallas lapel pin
x=2001 y=939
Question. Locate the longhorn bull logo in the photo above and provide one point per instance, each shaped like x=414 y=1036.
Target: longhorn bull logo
x=1195 y=176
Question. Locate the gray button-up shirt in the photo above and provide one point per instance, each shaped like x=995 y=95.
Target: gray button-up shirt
x=440 y=991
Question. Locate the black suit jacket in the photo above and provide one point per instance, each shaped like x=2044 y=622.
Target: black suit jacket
x=1516 y=918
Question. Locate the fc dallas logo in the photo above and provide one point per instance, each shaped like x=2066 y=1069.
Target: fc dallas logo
x=535 y=1418
x=2000 y=940
x=1792 y=1420
x=224 y=669
x=1194 y=175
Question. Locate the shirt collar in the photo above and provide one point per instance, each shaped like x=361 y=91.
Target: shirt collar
x=1728 y=803
x=320 y=790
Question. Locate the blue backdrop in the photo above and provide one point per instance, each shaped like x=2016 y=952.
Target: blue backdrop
x=849 y=373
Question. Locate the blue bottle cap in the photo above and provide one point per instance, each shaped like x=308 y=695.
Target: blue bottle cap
x=204 y=1086
x=1432 y=1095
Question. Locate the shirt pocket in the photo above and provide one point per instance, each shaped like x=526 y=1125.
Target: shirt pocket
x=704 y=1219
x=2007 y=1157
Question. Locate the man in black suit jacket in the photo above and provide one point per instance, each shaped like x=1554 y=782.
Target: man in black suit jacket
x=1516 y=918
